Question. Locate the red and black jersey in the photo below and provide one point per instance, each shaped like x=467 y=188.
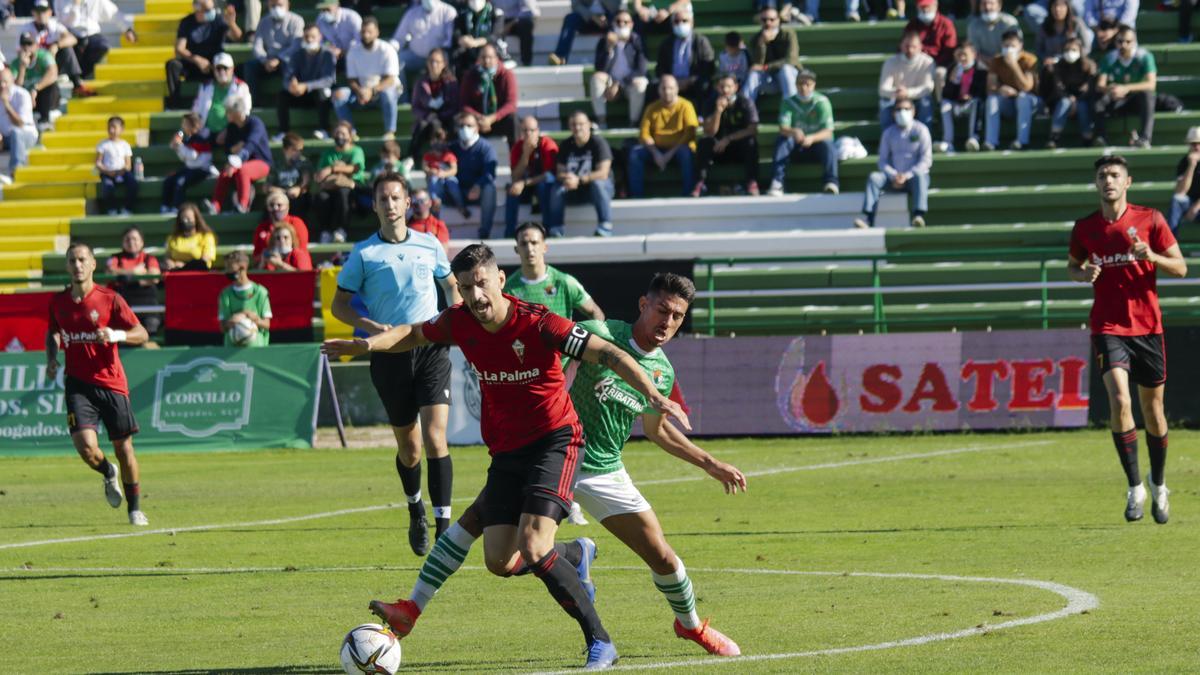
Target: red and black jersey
x=1126 y=292
x=519 y=369
x=77 y=324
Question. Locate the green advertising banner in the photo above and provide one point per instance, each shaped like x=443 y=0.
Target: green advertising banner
x=184 y=399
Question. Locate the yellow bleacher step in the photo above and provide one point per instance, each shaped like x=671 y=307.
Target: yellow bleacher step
x=42 y=227
x=131 y=72
x=46 y=158
x=130 y=88
x=43 y=208
x=158 y=38
x=97 y=123
x=20 y=261
x=141 y=55
x=112 y=105
x=156 y=23
x=80 y=140
x=78 y=189
x=49 y=175
x=32 y=243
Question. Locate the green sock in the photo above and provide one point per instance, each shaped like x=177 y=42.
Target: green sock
x=678 y=589
x=445 y=559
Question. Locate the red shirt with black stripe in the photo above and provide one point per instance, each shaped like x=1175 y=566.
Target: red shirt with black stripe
x=519 y=369
x=1126 y=292
x=77 y=325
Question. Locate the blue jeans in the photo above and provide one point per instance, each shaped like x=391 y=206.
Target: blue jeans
x=512 y=205
x=782 y=79
x=1062 y=111
x=824 y=153
x=1023 y=106
x=108 y=190
x=1179 y=206
x=18 y=141
x=572 y=24
x=950 y=110
x=175 y=185
x=448 y=190
x=878 y=183
x=640 y=155
x=599 y=193
x=344 y=103
x=923 y=112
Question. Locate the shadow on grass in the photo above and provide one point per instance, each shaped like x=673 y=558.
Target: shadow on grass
x=897 y=530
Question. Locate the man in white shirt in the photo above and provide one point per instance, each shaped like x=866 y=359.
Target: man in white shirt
x=54 y=37
x=373 y=69
x=86 y=19
x=427 y=25
x=18 y=131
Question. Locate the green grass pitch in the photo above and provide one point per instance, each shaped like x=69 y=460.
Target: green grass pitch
x=248 y=595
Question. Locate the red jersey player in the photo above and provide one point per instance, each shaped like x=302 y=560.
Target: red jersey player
x=528 y=423
x=1118 y=250
x=89 y=321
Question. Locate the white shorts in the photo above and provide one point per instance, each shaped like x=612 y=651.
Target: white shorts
x=608 y=494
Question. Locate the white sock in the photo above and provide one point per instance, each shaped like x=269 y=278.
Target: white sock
x=413 y=499
x=441 y=512
x=678 y=590
x=444 y=560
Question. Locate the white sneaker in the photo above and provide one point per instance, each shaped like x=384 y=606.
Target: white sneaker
x=941 y=147
x=972 y=145
x=5 y=180
x=277 y=138
x=112 y=488
x=918 y=221
x=320 y=135
x=125 y=212
x=138 y=518
x=1134 y=498
x=1160 y=508
x=861 y=223
x=830 y=189
x=575 y=517
x=853 y=17
x=776 y=189
x=209 y=206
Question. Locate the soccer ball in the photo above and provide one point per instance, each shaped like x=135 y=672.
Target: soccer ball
x=242 y=331
x=371 y=648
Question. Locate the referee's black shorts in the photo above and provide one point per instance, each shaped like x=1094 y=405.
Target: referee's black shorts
x=1143 y=356
x=409 y=381
x=89 y=405
x=538 y=478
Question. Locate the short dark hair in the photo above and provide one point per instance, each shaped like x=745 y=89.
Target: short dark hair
x=965 y=44
x=1013 y=34
x=389 y=177
x=369 y=20
x=475 y=255
x=1123 y=30
x=672 y=284
x=132 y=228
x=293 y=140
x=733 y=39
x=118 y=119
x=529 y=225
x=80 y=244
x=1111 y=160
x=237 y=255
x=1107 y=24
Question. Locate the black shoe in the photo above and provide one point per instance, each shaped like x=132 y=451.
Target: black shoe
x=418 y=529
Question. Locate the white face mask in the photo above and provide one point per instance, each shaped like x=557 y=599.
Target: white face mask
x=468 y=135
x=904 y=118
x=278 y=13
x=770 y=33
x=312 y=47
x=427 y=5
x=804 y=98
x=624 y=32
x=1011 y=51
x=683 y=30
x=990 y=17
x=476 y=5
x=927 y=17
x=1070 y=56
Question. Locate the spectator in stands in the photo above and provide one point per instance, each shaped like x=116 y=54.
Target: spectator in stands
x=86 y=21
x=1068 y=86
x=489 y=92
x=966 y=90
x=532 y=160
x=210 y=101
x=939 y=39
x=439 y=162
x=426 y=26
x=114 y=162
x=193 y=144
x=668 y=133
x=730 y=135
x=588 y=17
x=278 y=214
x=244 y=300
x=806 y=134
x=128 y=265
x=373 y=71
x=1012 y=91
x=391 y=160
x=435 y=98
x=774 y=59
x=276 y=39
x=1124 y=12
x=689 y=57
x=907 y=74
x=37 y=73
x=201 y=36
x=476 y=172
x=283 y=253
x=340 y=27
x=518 y=19
x=650 y=20
x=620 y=70
x=247 y=156
x=1106 y=40
x=475 y=26
x=310 y=76
x=1185 y=203
x=987 y=30
x=423 y=220
x=191 y=246
x=293 y=175
x=1061 y=25
x=905 y=157
x=18 y=131
x=1126 y=86
x=734 y=59
x=60 y=42
x=584 y=161
x=340 y=170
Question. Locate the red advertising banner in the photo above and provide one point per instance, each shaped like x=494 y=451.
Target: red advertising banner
x=24 y=318
x=191 y=299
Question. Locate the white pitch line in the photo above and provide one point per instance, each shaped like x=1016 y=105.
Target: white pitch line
x=383 y=507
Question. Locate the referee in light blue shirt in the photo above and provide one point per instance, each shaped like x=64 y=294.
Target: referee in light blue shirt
x=395 y=272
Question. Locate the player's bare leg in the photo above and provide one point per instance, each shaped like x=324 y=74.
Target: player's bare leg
x=130 y=476
x=408 y=465
x=434 y=420
x=643 y=534
x=87 y=444
x=1151 y=400
x=1120 y=406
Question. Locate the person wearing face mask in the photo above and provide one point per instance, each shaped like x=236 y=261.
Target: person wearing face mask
x=688 y=56
x=426 y=26
x=1012 y=92
x=247 y=157
x=435 y=98
x=1061 y=24
x=907 y=74
x=243 y=299
x=210 y=100
x=476 y=173
x=340 y=28
x=965 y=92
x=476 y=25
x=373 y=71
x=276 y=38
x=60 y=42
x=1126 y=86
x=283 y=254
x=489 y=91
x=774 y=59
x=805 y=134
x=986 y=30
x=1068 y=85
x=191 y=246
x=200 y=37
x=1124 y=12
x=340 y=170
x=905 y=157
x=730 y=135
x=939 y=39
x=588 y=17
x=309 y=78
x=620 y=70
x=423 y=220
x=277 y=214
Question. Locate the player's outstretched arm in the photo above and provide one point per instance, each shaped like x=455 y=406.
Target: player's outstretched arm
x=667 y=437
x=395 y=339
x=601 y=351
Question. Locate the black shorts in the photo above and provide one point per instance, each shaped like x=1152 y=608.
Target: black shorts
x=1143 y=356
x=538 y=478
x=409 y=381
x=88 y=405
